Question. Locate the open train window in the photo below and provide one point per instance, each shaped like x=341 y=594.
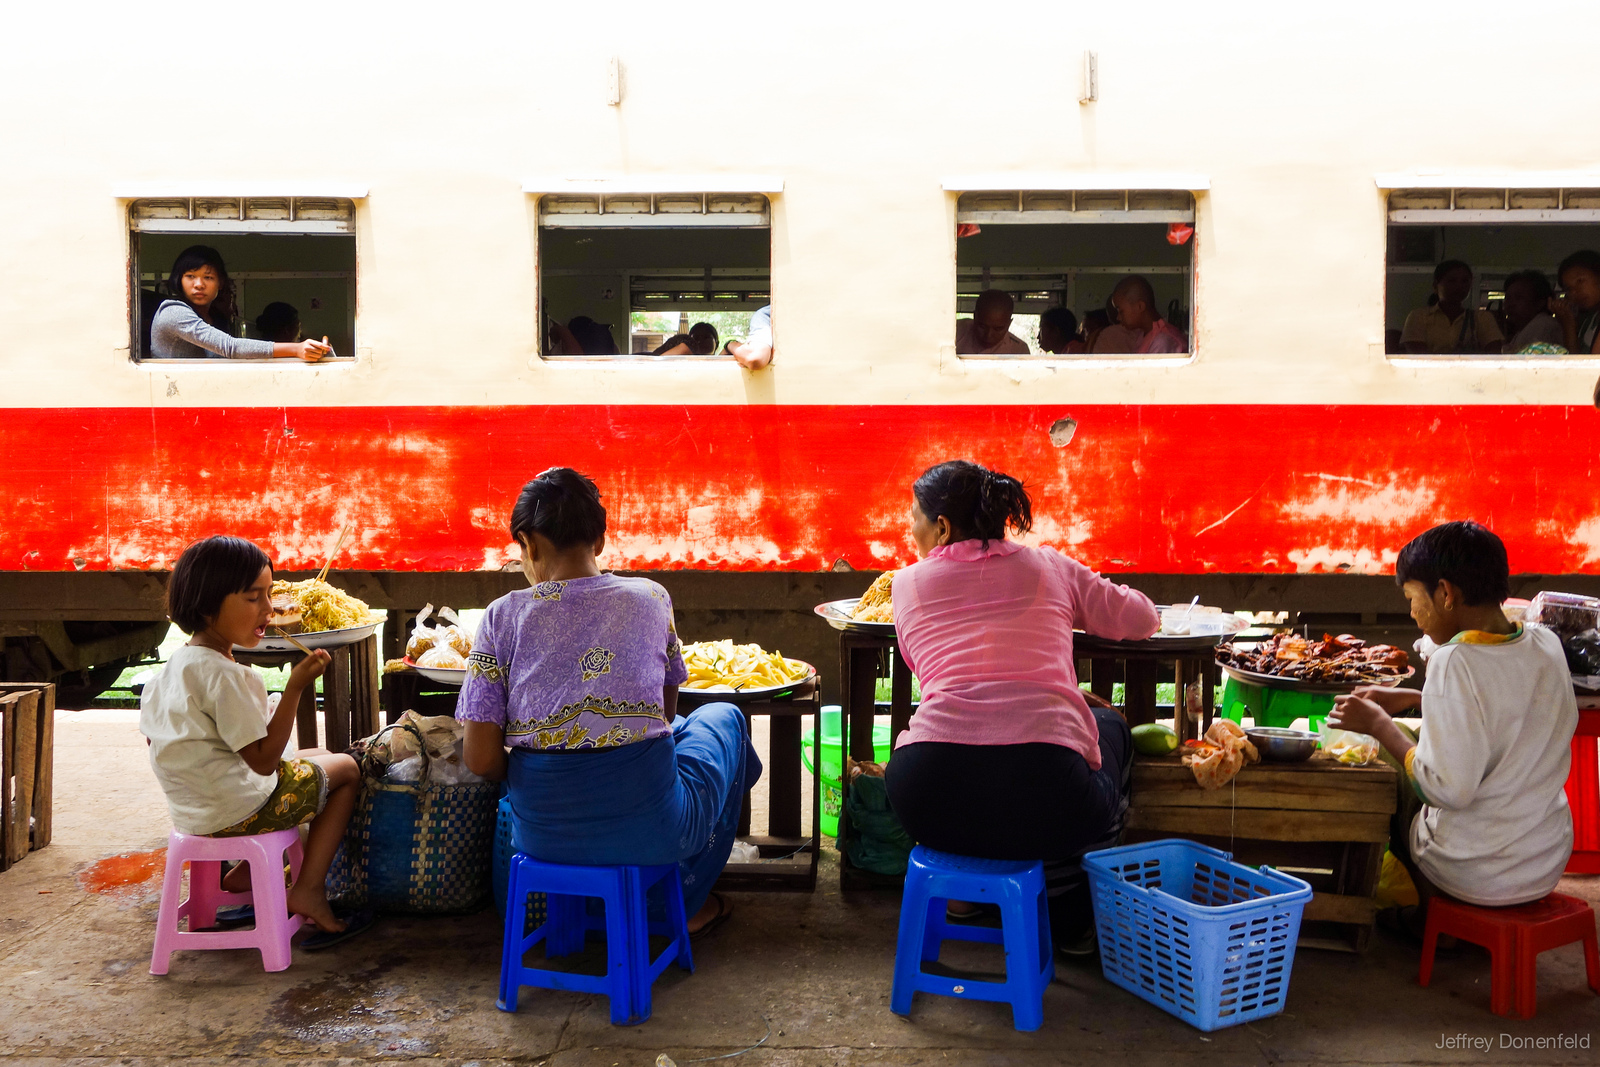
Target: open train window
x=678 y=275
x=291 y=262
x=1083 y=272
x=1471 y=272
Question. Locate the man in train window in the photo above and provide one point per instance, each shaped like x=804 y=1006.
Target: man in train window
x=1138 y=328
x=988 y=332
x=755 y=351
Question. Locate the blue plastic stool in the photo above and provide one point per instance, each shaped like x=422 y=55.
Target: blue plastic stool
x=629 y=970
x=935 y=878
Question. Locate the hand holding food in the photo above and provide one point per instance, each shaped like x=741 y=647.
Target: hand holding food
x=310 y=669
x=1392 y=701
x=724 y=667
x=1358 y=713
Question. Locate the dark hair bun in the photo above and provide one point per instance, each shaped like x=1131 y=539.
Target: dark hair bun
x=978 y=502
x=562 y=506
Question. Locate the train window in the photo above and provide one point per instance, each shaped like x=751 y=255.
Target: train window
x=1497 y=253
x=291 y=261
x=1073 y=249
x=630 y=275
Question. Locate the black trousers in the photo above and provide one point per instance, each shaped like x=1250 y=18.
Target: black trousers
x=1020 y=802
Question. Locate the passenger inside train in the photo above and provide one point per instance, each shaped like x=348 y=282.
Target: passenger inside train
x=701 y=340
x=1139 y=327
x=1578 y=307
x=201 y=317
x=1528 y=321
x=988 y=332
x=1058 y=332
x=295 y=251
x=1444 y=324
x=279 y=322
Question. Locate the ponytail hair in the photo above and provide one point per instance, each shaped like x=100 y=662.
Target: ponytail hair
x=978 y=502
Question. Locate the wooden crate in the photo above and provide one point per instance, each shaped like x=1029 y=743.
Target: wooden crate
x=27 y=752
x=1319 y=820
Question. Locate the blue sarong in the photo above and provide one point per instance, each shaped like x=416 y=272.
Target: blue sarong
x=671 y=799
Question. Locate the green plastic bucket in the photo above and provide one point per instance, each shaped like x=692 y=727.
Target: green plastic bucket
x=833 y=761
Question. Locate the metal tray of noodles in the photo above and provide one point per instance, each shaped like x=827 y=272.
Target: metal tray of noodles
x=1300 y=685
x=315 y=639
x=696 y=697
x=836 y=613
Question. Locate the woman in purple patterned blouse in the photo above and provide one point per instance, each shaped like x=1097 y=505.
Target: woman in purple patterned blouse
x=579 y=675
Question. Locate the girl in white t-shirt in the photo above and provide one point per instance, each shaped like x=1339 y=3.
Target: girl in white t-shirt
x=217 y=745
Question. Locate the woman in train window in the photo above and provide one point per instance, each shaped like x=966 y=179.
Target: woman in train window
x=199 y=318
x=580 y=676
x=1005 y=758
x=1446 y=325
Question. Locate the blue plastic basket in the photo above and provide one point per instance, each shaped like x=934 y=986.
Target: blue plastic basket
x=500 y=873
x=1194 y=933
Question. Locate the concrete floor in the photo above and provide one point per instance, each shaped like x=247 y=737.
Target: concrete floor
x=75 y=987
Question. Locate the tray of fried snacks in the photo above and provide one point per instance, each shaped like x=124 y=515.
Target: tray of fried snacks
x=722 y=670
x=871 y=612
x=317 y=615
x=1331 y=665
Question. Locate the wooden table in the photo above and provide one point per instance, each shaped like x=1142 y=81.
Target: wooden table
x=863 y=659
x=789 y=858
x=1318 y=820
x=349 y=693
x=27 y=756
x=1138 y=665
x=1583 y=788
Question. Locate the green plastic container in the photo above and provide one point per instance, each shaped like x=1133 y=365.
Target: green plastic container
x=1273 y=707
x=833 y=761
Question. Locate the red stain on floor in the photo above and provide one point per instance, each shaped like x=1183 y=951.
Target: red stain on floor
x=132 y=874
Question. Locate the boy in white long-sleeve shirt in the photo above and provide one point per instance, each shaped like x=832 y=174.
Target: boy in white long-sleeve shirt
x=1498 y=718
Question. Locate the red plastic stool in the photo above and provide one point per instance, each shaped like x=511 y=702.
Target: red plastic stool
x=1514 y=937
x=1583 y=792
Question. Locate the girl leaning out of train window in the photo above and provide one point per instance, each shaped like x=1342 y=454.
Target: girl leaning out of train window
x=217 y=743
x=200 y=318
x=580 y=676
x=1006 y=759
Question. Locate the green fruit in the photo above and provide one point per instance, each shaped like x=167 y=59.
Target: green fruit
x=1153 y=739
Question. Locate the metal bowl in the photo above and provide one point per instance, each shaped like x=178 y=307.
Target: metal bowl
x=1284 y=746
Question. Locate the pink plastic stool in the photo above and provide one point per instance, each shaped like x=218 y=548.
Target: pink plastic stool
x=204 y=855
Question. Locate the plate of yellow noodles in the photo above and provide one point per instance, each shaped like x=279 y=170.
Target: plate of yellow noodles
x=317 y=615
x=723 y=670
x=872 y=612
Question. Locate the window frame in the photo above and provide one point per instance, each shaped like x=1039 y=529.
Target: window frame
x=336 y=212
x=655 y=193
x=1081 y=199
x=1468 y=199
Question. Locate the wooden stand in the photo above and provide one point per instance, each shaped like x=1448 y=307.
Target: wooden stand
x=1318 y=820
x=789 y=858
x=863 y=659
x=349 y=693
x=27 y=759
x=1138 y=666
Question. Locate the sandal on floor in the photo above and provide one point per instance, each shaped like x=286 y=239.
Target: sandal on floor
x=724 y=911
x=355 y=924
x=982 y=915
x=239 y=915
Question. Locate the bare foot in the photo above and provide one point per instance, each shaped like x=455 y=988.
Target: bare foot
x=313 y=905
x=708 y=913
x=237 y=880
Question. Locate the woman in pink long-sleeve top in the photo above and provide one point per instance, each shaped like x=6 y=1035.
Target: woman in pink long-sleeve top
x=1005 y=758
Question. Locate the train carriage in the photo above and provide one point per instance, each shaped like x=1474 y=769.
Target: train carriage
x=438 y=197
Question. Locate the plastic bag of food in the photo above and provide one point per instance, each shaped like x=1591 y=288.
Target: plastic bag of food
x=1583 y=653
x=1349 y=747
x=406 y=770
x=442 y=658
x=455 y=634
x=423 y=637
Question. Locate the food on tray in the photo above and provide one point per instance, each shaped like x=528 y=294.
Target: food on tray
x=1342 y=659
x=874 y=605
x=447 y=633
x=724 y=667
x=442 y=658
x=392 y=665
x=1153 y=739
x=1568 y=614
x=312 y=606
x=1221 y=755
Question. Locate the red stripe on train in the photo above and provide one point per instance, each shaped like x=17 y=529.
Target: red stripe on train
x=1171 y=488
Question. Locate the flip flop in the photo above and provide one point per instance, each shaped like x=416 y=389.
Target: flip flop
x=724 y=911
x=355 y=924
x=239 y=915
